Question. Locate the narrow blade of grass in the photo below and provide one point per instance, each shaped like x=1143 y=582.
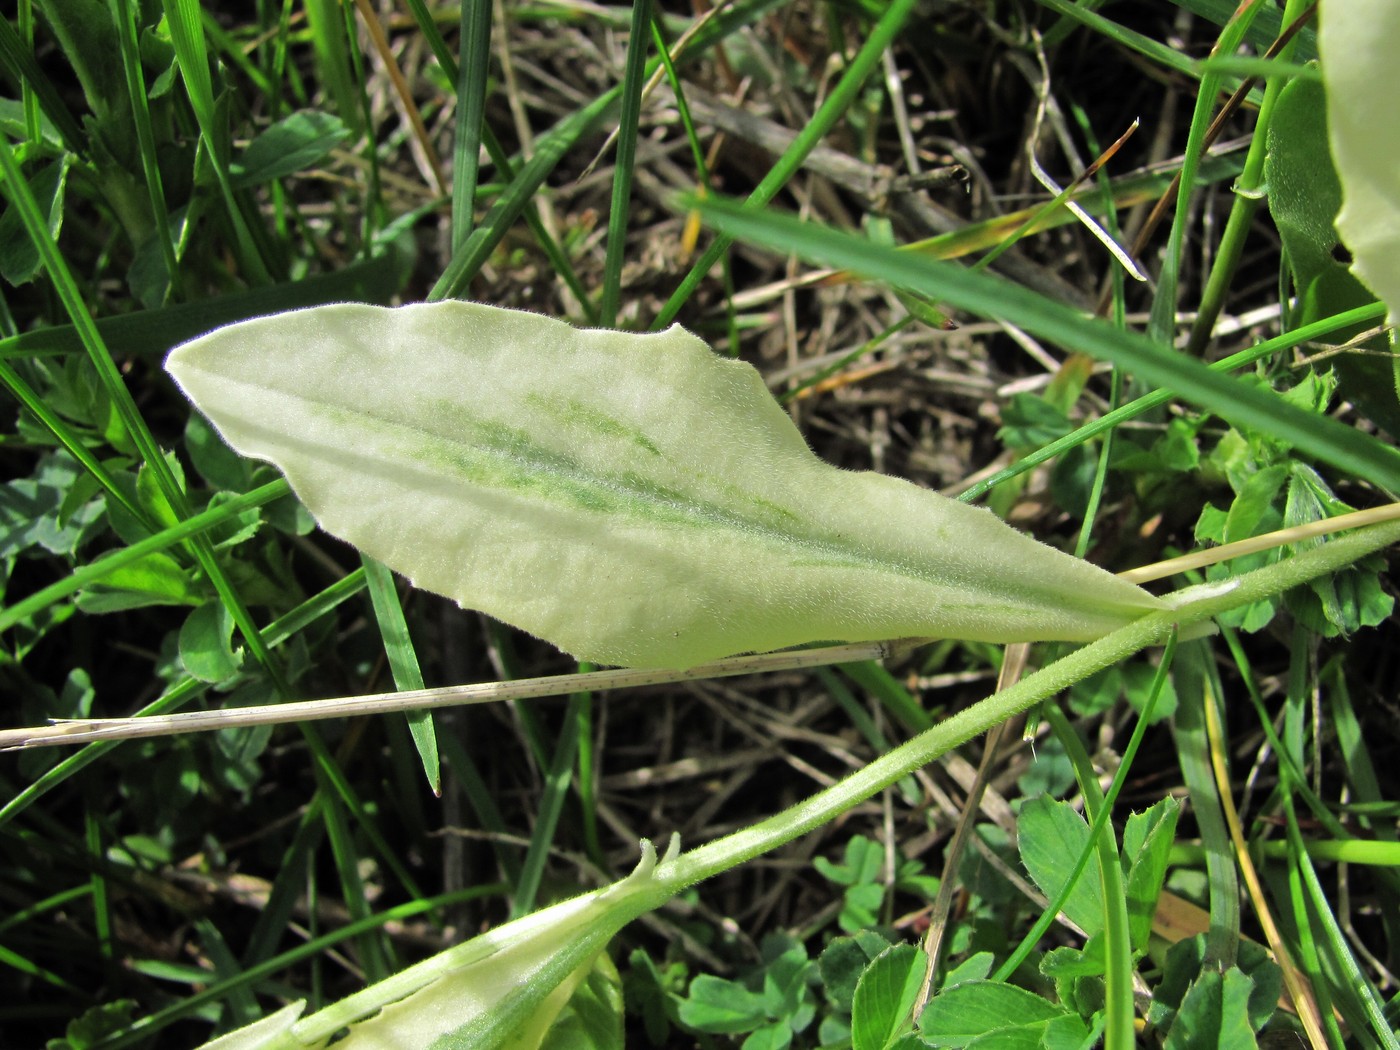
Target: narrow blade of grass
x=1240 y=403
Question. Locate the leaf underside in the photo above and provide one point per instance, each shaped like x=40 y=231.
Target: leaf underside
x=633 y=498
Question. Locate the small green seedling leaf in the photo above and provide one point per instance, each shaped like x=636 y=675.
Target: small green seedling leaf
x=843 y=961
x=1185 y=965
x=19 y=259
x=633 y=498
x=721 y=1007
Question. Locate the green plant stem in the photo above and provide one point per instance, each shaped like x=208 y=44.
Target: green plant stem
x=1118 y=961
x=129 y=47
x=723 y=854
x=1249 y=195
x=1163 y=319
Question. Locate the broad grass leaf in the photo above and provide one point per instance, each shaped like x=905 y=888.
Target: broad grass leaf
x=633 y=498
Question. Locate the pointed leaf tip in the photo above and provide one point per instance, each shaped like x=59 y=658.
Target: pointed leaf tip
x=633 y=498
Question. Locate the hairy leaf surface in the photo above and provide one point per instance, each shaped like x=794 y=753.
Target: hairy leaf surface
x=632 y=498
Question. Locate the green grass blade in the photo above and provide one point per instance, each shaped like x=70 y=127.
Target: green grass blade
x=186 y=23
x=347 y=865
x=145 y=139
x=1195 y=688
x=551 y=804
x=1163 y=321
x=403 y=662
x=1362 y=315
x=329 y=43
x=471 y=110
x=157 y=332
x=1350 y=975
x=619 y=209
x=1244 y=405
x=549 y=150
x=76 y=448
x=17 y=59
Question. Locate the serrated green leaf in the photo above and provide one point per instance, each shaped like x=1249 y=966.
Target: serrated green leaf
x=634 y=499
x=1184 y=964
x=1213 y=1015
x=885 y=995
x=1051 y=835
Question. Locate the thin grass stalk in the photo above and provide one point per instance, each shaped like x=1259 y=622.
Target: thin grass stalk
x=634 y=77
x=273 y=635
x=127 y=44
x=1249 y=194
x=1162 y=324
x=186 y=23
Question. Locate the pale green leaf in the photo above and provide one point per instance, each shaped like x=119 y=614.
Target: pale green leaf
x=633 y=498
x=273 y=1031
x=1357 y=44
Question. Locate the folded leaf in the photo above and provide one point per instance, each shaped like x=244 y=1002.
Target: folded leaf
x=633 y=498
